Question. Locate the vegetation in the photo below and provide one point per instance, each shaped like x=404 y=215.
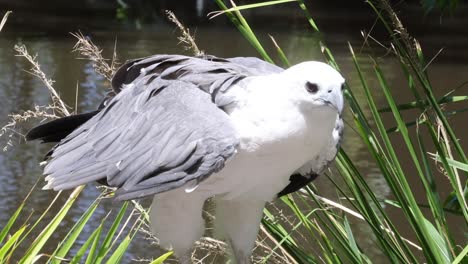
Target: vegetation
x=330 y=226
x=327 y=227
x=16 y=239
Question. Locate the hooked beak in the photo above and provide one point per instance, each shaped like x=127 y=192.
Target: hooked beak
x=333 y=100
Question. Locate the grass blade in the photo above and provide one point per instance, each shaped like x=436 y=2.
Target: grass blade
x=10 y=222
x=9 y=244
x=72 y=236
x=424 y=103
x=456 y=164
x=4 y=19
x=249 y=6
x=162 y=258
x=239 y=21
x=106 y=245
x=94 y=245
x=461 y=258
x=119 y=251
x=82 y=251
x=39 y=242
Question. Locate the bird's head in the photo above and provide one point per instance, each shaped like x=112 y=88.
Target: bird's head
x=315 y=84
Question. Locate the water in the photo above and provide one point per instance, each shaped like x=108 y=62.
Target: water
x=20 y=91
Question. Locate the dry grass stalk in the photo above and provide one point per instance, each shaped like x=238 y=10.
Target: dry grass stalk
x=54 y=110
x=10 y=130
x=36 y=71
x=410 y=43
x=92 y=52
x=58 y=107
x=413 y=46
x=215 y=249
x=444 y=139
x=186 y=38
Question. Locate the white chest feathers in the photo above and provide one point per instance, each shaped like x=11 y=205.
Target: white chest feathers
x=278 y=135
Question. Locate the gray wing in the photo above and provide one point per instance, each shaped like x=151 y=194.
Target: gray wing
x=161 y=131
x=164 y=127
x=209 y=73
x=146 y=141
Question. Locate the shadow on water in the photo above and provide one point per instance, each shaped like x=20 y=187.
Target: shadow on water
x=19 y=91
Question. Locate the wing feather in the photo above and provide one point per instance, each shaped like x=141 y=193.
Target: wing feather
x=162 y=127
x=148 y=147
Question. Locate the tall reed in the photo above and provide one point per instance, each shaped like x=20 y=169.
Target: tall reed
x=327 y=222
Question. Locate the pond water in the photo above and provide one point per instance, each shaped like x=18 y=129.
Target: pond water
x=19 y=91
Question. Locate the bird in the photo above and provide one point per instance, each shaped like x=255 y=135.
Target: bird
x=181 y=129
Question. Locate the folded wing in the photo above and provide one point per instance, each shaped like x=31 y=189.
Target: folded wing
x=149 y=139
x=163 y=126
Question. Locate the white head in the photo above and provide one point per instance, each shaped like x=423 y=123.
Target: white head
x=316 y=84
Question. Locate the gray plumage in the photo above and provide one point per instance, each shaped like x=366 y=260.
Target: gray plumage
x=163 y=130
x=173 y=121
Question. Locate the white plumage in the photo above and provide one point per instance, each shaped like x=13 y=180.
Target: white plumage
x=186 y=129
x=282 y=128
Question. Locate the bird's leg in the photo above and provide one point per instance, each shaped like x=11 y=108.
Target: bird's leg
x=238 y=221
x=176 y=220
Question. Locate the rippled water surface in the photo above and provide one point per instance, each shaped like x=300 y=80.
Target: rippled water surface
x=76 y=81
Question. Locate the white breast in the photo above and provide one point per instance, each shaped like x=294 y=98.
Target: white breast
x=276 y=139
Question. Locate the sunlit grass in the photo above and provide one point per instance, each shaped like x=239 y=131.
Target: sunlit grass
x=329 y=226
x=322 y=221
x=17 y=244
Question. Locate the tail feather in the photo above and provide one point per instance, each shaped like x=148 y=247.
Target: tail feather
x=56 y=130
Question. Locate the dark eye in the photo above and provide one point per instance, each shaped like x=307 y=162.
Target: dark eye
x=343 y=87
x=311 y=87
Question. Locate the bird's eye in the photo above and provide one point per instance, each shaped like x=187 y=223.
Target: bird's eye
x=342 y=87
x=311 y=87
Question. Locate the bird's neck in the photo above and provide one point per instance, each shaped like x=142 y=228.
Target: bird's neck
x=320 y=123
